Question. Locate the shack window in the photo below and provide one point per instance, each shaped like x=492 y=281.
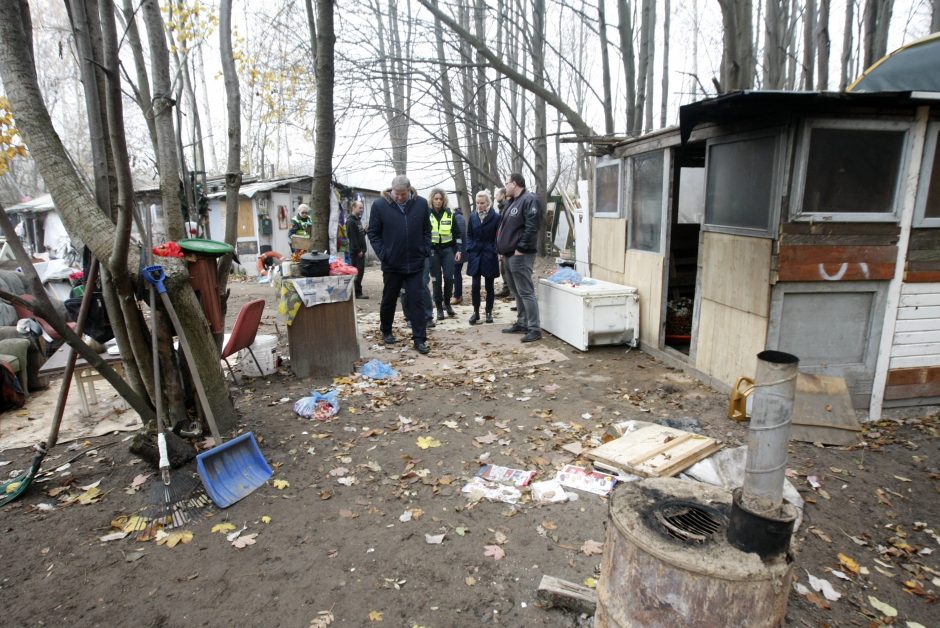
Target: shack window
x=850 y=170
x=928 y=195
x=607 y=189
x=741 y=182
x=647 y=191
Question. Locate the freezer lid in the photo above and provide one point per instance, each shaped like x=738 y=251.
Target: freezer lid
x=596 y=289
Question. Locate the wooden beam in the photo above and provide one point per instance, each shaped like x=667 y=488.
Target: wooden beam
x=555 y=592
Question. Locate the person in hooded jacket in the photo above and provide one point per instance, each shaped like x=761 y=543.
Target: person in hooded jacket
x=517 y=242
x=400 y=233
x=482 y=259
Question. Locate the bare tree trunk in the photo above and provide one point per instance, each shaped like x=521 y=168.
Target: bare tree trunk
x=822 y=46
x=456 y=161
x=737 y=67
x=934 y=16
x=791 y=46
x=396 y=81
x=144 y=99
x=497 y=98
x=809 y=44
x=326 y=132
x=845 y=75
x=665 y=92
x=651 y=68
x=877 y=20
x=467 y=107
x=625 y=26
x=213 y=165
x=541 y=118
x=605 y=70
x=643 y=67
x=775 y=46
x=233 y=172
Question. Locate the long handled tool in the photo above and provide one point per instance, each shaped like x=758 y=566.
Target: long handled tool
x=11 y=489
x=232 y=470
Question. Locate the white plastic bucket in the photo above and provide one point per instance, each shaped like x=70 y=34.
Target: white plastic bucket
x=265 y=349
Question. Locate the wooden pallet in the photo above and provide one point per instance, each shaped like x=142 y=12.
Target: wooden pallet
x=653 y=450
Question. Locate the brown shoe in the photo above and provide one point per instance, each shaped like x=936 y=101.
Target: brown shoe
x=456 y=301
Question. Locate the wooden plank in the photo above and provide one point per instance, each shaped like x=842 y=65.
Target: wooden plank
x=925 y=239
x=923 y=375
x=652 y=450
x=913 y=391
x=823 y=411
x=920 y=300
x=800 y=239
x=670 y=444
x=843 y=228
x=845 y=271
x=833 y=254
x=644 y=271
x=914 y=361
x=917 y=324
x=920 y=289
x=926 y=276
x=916 y=337
x=736 y=271
x=923 y=348
x=323 y=340
x=701 y=451
x=922 y=266
x=555 y=592
x=924 y=255
x=912 y=313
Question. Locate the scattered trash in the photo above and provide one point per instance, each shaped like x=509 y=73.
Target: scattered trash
x=319 y=406
x=478 y=489
x=495 y=551
x=376 y=369
x=652 y=450
x=506 y=475
x=566 y=275
x=434 y=539
x=549 y=492
x=824 y=587
x=582 y=479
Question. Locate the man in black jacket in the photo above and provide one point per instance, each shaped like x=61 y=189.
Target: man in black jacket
x=357 y=243
x=400 y=233
x=516 y=243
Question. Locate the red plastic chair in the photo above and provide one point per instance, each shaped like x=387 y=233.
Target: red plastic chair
x=243 y=333
x=22 y=312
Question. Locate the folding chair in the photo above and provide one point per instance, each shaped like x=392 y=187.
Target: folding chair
x=243 y=334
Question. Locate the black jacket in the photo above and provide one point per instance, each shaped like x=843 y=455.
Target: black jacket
x=401 y=238
x=519 y=227
x=355 y=234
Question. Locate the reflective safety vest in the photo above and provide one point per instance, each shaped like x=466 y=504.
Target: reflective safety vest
x=441 y=229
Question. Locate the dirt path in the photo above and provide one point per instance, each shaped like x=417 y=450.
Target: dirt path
x=349 y=533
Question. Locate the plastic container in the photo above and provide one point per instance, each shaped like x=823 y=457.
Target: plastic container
x=265 y=350
x=600 y=313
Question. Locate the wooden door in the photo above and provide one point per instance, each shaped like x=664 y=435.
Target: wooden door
x=246 y=219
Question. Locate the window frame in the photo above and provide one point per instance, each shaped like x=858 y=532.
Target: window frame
x=779 y=134
x=802 y=159
x=931 y=148
x=609 y=162
x=628 y=198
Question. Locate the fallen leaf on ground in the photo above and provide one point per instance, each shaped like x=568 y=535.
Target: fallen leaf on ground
x=265 y=519
x=590 y=582
x=885 y=609
x=114 y=536
x=224 y=528
x=281 y=484
x=322 y=620
x=434 y=539
x=494 y=550
x=591 y=547
x=90 y=486
x=849 y=563
x=500 y=538
x=486 y=440
x=824 y=587
x=376 y=616
x=548 y=524
x=470 y=580
x=461 y=531
x=90 y=496
x=245 y=541
x=174 y=538
x=427 y=442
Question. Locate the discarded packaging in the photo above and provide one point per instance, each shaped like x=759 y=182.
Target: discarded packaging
x=584 y=480
x=376 y=369
x=506 y=475
x=478 y=488
x=549 y=492
x=320 y=406
x=651 y=450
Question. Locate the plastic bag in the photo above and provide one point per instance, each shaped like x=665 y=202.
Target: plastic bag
x=376 y=369
x=320 y=406
x=341 y=268
x=566 y=275
x=168 y=249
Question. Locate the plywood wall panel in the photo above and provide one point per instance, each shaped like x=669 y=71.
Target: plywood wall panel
x=644 y=271
x=736 y=271
x=728 y=342
x=608 y=248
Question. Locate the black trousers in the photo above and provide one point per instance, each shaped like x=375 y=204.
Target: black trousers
x=413 y=309
x=442 y=271
x=360 y=264
x=475 y=292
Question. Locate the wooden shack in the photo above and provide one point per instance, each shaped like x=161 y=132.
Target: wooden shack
x=803 y=222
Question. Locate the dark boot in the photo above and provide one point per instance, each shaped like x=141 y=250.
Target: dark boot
x=474 y=319
x=450 y=310
x=489 y=316
x=440 y=313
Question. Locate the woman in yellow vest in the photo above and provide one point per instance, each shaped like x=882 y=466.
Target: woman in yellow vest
x=446 y=248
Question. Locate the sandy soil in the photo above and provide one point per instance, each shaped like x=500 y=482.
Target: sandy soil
x=336 y=538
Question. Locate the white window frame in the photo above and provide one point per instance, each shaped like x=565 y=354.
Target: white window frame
x=608 y=162
x=628 y=198
x=931 y=147
x=802 y=159
x=779 y=134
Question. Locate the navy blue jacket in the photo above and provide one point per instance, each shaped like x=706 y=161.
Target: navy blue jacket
x=481 y=245
x=400 y=238
x=520 y=225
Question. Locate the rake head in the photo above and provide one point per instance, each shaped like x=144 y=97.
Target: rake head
x=174 y=505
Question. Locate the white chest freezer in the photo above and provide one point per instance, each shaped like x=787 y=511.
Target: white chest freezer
x=598 y=313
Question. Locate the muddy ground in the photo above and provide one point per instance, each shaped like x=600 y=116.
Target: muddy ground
x=335 y=536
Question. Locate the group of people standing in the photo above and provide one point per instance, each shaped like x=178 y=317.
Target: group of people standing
x=417 y=241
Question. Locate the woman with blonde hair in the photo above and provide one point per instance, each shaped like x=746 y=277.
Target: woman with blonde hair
x=482 y=259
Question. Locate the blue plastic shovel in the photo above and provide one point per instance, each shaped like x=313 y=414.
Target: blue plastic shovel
x=232 y=470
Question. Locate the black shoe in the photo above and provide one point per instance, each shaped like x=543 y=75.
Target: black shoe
x=361 y=296
x=489 y=317
x=505 y=294
x=450 y=311
x=440 y=315
x=421 y=347
x=431 y=322
x=515 y=329
x=475 y=318
x=513 y=309
x=389 y=339
x=532 y=336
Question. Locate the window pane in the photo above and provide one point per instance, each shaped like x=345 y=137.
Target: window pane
x=852 y=170
x=646 y=206
x=739 y=183
x=608 y=188
x=932 y=209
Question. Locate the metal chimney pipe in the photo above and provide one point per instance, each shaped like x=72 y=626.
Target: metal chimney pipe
x=769 y=433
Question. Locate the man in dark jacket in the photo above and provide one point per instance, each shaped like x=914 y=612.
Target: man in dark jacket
x=516 y=242
x=357 y=243
x=400 y=233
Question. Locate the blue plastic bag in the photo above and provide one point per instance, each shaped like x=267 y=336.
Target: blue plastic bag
x=322 y=406
x=566 y=275
x=376 y=369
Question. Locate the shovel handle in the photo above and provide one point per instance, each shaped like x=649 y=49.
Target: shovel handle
x=155 y=275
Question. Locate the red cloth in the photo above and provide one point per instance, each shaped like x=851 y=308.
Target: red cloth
x=168 y=249
x=341 y=268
